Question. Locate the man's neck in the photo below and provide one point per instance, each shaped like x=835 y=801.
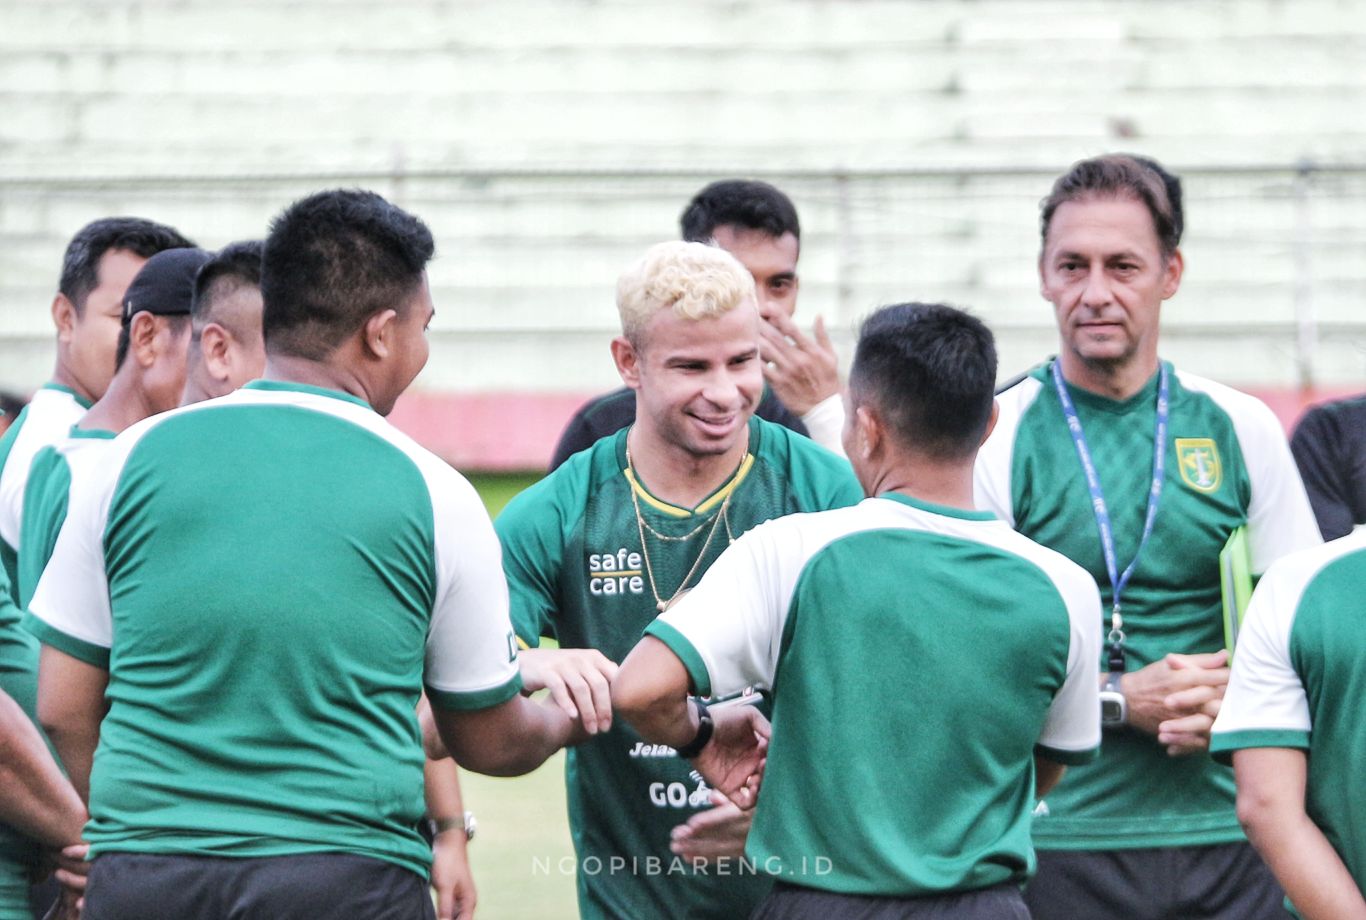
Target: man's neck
x=1113 y=380
x=324 y=374
x=124 y=404
x=937 y=482
x=676 y=476
x=62 y=376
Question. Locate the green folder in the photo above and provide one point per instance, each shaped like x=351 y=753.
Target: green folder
x=1235 y=584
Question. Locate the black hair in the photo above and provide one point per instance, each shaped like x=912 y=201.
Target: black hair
x=331 y=261
x=11 y=404
x=81 y=263
x=744 y=203
x=929 y=370
x=1122 y=175
x=234 y=266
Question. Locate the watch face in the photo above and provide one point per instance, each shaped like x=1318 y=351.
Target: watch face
x=1111 y=710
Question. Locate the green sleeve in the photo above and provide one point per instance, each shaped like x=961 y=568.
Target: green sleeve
x=822 y=479
x=534 y=530
x=46 y=496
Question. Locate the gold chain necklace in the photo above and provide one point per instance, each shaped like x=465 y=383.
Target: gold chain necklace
x=660 y=604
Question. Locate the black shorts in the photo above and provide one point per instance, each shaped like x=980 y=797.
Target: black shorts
x=137 y=886
x=792 y=902
x=1226 y=881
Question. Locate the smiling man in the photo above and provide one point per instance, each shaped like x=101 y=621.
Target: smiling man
x=1140 y=473
x=756 y=223
x=595 y=551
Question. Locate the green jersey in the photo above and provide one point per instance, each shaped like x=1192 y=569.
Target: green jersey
x=1298 y=683
x=270 y=579
x=46 y=496
x=1227 y=465
x=578 y=571
x=46 y=420
x=919 y=657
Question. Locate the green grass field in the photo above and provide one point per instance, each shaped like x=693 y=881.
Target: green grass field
x=522 y=824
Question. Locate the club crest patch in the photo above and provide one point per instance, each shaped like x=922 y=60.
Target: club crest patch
x=1198 y=459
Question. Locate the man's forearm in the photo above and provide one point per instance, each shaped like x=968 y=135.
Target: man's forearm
x=666 y=720
x=1272 y=783
x=71 y=707
x=36 y=797
x=1308 y=868
x=510 y=739
x=651 y=692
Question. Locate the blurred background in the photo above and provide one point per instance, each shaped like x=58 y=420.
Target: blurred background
x=548 y=142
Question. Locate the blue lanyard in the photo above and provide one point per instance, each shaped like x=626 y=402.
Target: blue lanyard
x=1118 y=580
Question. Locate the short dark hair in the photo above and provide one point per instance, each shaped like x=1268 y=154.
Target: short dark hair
x=930 y=372
x=332 y=260
x=744 y=203
x=1121 y=175
x=80 y=264
x=234 y=266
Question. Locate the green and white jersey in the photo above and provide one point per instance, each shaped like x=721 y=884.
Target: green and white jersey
x=1227 y=464
x=1298 y=683
x=46 y=420
x=919 y=656
x=46 y=498
x=270 y=579
x=577 y=571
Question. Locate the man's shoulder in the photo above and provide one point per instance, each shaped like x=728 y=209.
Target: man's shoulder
x=45 y=421
x=561 y=497
x=1338 y=419
x=1242 y=409
x=1293 y=574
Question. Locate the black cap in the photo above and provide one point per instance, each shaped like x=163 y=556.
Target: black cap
x=165 y=285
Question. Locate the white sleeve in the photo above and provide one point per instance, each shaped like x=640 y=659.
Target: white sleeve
x=825 y=423
x=1265 y=694
x=1280 y=519
x=727 y=630
x=471 y=658
x=991 y=485
x=1071 y=729
x=70 y=608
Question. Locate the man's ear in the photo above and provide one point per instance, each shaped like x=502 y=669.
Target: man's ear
x=1172 y=271
x=142 y=338
x=378 y=333
x=868 y=431
x=63 y=317
x=213 y=350
x=991 y=422
x=627 y=359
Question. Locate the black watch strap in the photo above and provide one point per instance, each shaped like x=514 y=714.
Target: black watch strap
x=705 y=726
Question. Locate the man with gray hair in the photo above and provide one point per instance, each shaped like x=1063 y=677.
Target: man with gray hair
x=595 y=551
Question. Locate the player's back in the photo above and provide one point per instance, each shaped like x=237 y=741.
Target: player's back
x=272 y=572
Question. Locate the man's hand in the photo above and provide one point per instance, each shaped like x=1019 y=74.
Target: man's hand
x=1177 y=698
x=579 y=681
x=451 y=876
x=733 y=760
x=71 y=872
x=716 y=833
x=802 y=371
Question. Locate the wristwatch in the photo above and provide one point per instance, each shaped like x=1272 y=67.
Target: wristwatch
x=466 y=823
x=705 y=726
x=1114 y=711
